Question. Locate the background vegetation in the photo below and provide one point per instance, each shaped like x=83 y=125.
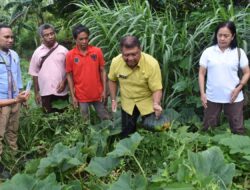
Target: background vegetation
x=61 y=151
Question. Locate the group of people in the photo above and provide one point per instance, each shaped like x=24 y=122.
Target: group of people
x=55 y=69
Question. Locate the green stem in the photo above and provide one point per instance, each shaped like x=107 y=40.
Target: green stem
x=139 y=165
x=61 y=176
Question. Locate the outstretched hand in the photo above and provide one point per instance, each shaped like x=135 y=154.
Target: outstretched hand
x=22 y=96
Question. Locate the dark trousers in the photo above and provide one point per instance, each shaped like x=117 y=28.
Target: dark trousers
x=129 y=122
x=233 y=112
x=47 y=102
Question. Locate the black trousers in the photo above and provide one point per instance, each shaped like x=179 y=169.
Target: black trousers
x=129 y=122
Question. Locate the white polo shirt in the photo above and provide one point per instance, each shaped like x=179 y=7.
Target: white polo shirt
x=222 y=73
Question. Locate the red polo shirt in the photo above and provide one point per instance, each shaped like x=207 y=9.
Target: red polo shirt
x=86 y=73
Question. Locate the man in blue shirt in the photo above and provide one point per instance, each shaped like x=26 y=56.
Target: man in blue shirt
x=10 y=86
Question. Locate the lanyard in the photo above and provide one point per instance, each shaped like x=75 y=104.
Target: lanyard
x=11 y=83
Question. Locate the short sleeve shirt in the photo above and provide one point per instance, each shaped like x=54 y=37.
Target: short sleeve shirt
x=13 y=60
x=138 y=84
x=222 y=72
x=52 y=71
x=86 y=74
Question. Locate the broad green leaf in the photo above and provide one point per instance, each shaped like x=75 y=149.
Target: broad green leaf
x=20 y=182
x=178 y=186
x=218 y=137
x=126 y=181
x=32 y=166
x=161 y=176
x=60 y=104
x=185 y=63
x=180 y=86
x=247 y=157
x=237 y=144
x=61 y=159
x=102 y=166
x=171 y=114
x=209 y=165
x=28 y=182
x=127 y=147
x=73 y=185
x=188 y=115
x=48 y=183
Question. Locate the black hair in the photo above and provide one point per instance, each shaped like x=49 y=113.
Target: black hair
x=79 y=29
x=231 y=26
x=4 y=26
x=130 y=42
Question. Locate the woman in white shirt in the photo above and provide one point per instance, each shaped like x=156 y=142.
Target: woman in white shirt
x=220 y=63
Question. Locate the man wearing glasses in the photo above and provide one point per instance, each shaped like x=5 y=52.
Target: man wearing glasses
x=140 y=83
x=10 y=86
x=47 y=66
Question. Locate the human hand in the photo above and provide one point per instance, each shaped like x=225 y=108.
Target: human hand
x=103 y=98
x=22 y=97
x=114 y=105
x=74 y=102
x=61 y=86
x=157 y=109
x=204 y=100
x=235 y=94
x=38 y=99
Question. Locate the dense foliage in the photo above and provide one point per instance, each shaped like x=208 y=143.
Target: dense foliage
x=59 y=151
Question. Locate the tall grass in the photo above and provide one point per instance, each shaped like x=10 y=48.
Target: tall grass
x=175 y=43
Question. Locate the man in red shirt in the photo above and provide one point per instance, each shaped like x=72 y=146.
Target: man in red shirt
x=86 y=74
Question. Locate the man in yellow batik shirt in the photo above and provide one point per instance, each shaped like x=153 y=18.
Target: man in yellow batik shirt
x=140 y=84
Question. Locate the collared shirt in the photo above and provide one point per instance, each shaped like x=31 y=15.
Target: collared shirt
x=138 y=84
x=11 y=58
x=52 y=71
x=222 y=72
x=86 y=74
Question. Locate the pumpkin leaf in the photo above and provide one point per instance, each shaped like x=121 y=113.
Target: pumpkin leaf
x=19 y=181
x=61 y=158
x=60 y=104
x=209 y=165
x=102 y=166
x=126 y=181
x=127 y=147
x=237 y=144
x=28 y=182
